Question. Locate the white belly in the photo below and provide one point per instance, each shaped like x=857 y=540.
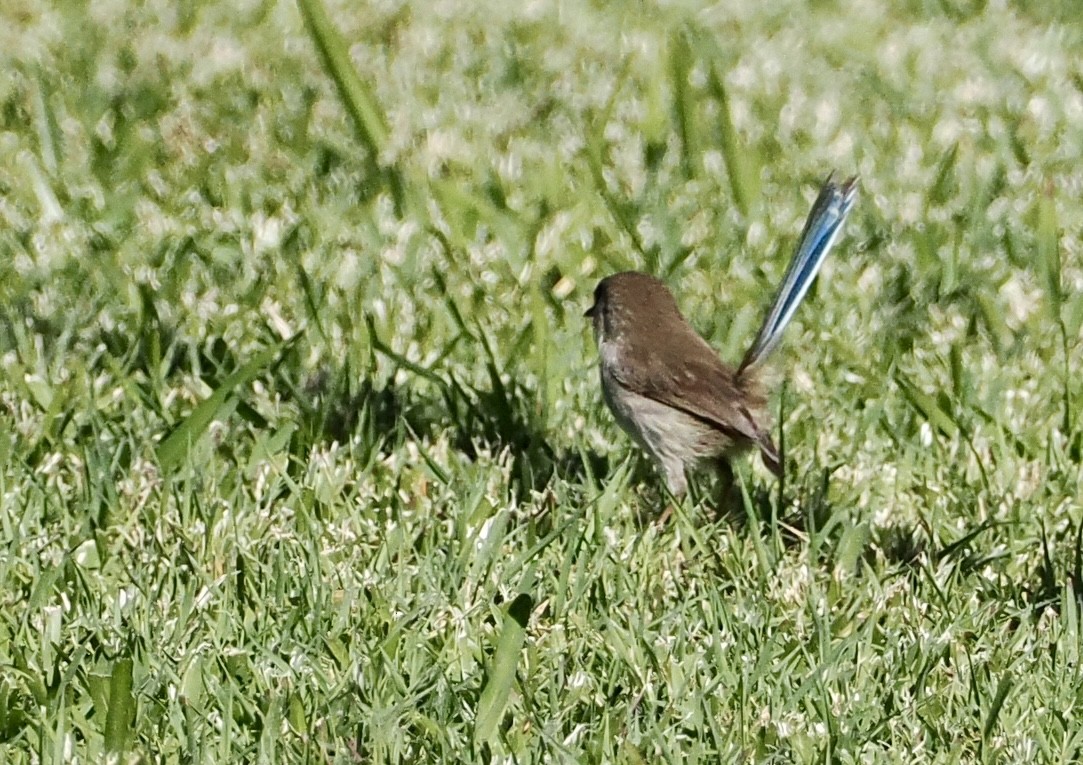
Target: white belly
x=674 y=440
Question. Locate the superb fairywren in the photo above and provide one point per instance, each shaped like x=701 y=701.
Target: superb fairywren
x=667 y=387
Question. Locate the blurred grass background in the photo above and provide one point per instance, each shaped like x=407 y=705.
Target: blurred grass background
x=304 y=457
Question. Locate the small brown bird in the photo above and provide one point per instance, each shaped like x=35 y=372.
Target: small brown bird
x=667 y=387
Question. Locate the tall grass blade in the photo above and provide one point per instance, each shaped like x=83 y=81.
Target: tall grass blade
x=1004 y=687
x=356 y=94
x=741 y=167
x=369 y=121
x=945 y=175
x=684 y=104
x=622 y=213
x=495 y=694
x=47 y=128
x=1049 y=261
x=173 y=449
x=1049 y=250
x=121 y=712
x=928 y=407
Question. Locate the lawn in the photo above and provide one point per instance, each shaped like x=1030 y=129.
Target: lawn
x=303 y=456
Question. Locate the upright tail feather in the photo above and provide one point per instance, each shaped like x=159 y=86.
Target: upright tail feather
x=821 y=230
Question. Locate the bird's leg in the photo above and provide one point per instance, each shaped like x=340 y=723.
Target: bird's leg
x=729 y=499
x=677 y=484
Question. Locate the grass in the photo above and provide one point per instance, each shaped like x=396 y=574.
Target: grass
x=303 y=455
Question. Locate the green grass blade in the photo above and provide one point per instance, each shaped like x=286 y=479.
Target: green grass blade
x=312 y=304
x=48 y=132
x=1049 y=250
x=121 y=713
x=945 y=176
x=741 y=164
x=1004 y=687
x=743 y=174
x=928 y=407
x=684 y=105
x=495 y=694
x=622 y=212
x=595 y=152
x=356 y=94
x=173 y=449
x=992 y=317
x=384 y=349
x=1050 y=263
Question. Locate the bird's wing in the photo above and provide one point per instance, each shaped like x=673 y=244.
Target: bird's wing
x=699 y=385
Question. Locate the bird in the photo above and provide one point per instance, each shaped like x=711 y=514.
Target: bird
x=668 y=388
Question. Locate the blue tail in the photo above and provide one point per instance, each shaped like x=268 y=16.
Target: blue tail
x=821 y=230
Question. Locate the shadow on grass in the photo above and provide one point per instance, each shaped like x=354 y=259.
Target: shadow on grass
x=1051 y=581
x=804 y=508
x=796 y=511
x=501 y=418
x=341 y=403
x=1046 y=585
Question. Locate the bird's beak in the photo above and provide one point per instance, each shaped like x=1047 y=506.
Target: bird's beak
x=590 y=311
